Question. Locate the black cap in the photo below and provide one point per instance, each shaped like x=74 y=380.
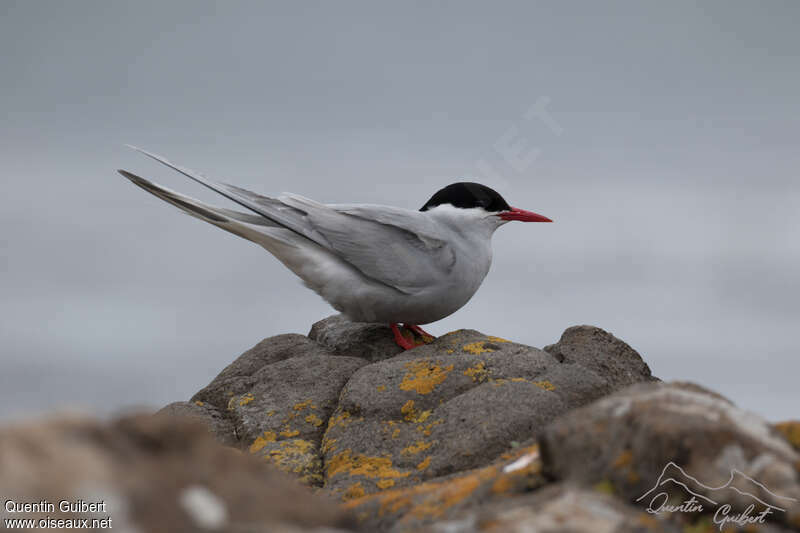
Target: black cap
x=467 y=195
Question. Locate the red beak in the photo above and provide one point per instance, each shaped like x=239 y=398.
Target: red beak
x=523 y=216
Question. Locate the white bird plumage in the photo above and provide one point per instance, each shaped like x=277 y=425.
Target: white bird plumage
x=373 y=263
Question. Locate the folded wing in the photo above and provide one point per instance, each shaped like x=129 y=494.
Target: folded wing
x=399 y=248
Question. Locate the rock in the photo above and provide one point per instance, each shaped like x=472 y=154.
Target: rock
x=240 y=376
x=285 y=413
x=637 y=439
x=277 y=398
x=347 y=411
x=445 y=407
x=603 y=353
x=372 y=342
x=410 y=508
x=557 y=508
x=211 y=417
x=791 y=432
x=154 y=474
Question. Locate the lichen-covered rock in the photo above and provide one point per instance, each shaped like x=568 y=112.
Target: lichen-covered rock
x=648 y=434
x=152 y=474
x=557 y=508
x=347 y=410
x=448 y=406
x=408 y=509
x=278 y=399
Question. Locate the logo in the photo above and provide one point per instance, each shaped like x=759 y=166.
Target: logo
x=739 y=501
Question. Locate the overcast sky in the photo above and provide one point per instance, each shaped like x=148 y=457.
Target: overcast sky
x=662 y=137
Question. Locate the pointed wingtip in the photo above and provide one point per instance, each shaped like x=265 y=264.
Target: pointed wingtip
x=129 y=175
x=149 y=154
x=136 y=180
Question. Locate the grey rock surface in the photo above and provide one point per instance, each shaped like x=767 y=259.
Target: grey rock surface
x=212 y=418
x=449 y=406
x=157 y=474
x=602 y=352
x=556 y=508
x=372 y=342
x=645 y=435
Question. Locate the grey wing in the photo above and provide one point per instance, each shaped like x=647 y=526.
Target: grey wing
x=270 y=208
x=401 y=248
x=398 y=248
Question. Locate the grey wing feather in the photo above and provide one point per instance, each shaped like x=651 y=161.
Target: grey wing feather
x=399 y=248
x=241 y=224
x=266 y=207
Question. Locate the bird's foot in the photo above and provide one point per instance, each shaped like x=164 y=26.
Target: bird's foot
x=426 y=337
x=400 y=339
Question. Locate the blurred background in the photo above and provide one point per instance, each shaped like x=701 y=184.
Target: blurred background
x=661 y=137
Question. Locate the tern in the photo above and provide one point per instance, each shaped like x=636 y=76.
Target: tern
x=373 y=263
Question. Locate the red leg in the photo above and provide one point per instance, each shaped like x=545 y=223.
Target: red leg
x=400 y=340
x=419 y=331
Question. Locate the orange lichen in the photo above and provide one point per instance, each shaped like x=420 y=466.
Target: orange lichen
x=288 y=432
x=648 y=521
x=423 y=376
x=385 y=483
x=432 y=499
x=354 y=491
x=299 y=457
x=423 y=416
x=502 y=485
x=546 y=385
x=199 y=403
x=381 y=388
x=479 y=373
x=497 y=339
x=412 y=414
x=314 y=420
x=790 y=431
x=247 y=398
x=426 y=430
x=449 y=494
x=295 y=446
x=417 y=447
x=304 y=405
x=271 y=412
x=408 y=410
x=519 y=477
x=390 y=428
x=328 y=445
x=260 y=442
x=624 y=459
x=363 y=465
x=477 y=348
x=342 y=418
